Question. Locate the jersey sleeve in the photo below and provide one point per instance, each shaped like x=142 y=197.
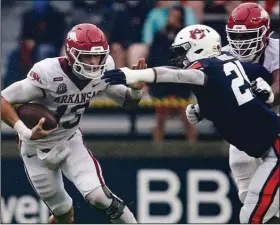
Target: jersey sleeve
x=254 y=71
x=110 y=63
x=22 y=92
x=271 y=59
x=37 y=75
x=116 y=93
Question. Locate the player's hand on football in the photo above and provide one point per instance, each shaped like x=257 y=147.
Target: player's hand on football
x=193 y=113
x=38 y=131
x=139 y=66
x=262 y=90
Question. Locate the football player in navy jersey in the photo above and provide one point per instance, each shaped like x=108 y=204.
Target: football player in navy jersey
x=225 y=95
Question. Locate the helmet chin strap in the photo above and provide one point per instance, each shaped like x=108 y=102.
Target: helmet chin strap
x=257 y=57
x=79 y=76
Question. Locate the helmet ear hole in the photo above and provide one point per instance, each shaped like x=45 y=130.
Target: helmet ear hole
x=198 y=51
x=79 y=67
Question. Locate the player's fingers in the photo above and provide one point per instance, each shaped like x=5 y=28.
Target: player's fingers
x=263 y=85
x=142 y=61
x=139 y=64
x=41 y=122
x=134 y=66
x=144 y=66
x=52 y=130
x=189 y=108
x=47 y=132
x=197 y=109
x=254 y=83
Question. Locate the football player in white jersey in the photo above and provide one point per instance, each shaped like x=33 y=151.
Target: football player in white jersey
x=65 y=85
x=250 y=40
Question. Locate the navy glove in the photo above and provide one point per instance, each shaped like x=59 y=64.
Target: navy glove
x=114 y=77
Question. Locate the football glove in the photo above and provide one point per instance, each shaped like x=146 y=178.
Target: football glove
x=114 y=77
x=193 y=113
x=262 y=90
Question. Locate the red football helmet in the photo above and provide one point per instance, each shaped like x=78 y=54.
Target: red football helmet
x=86 y=39
x=247 y=31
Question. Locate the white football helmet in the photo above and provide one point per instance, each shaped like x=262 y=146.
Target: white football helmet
x=195 y=42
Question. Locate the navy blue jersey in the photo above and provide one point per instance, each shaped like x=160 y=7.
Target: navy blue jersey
x=228 y=101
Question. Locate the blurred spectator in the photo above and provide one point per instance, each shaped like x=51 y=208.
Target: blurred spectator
x=165 y=37
x=157 y=19
x=271 y=6
x=197 y=7
x=228 y=5
x=219 y=11
x=218 y=8
x=42 y=35
x=96 y=12
x=160 y=55
x=126 y=31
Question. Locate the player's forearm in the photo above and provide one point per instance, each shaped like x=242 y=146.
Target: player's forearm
x=19 y=92
x=10 y=117
x=8 y=113
x=168 y=75
x=132 y=98
x=124 y=96
x=182 y=76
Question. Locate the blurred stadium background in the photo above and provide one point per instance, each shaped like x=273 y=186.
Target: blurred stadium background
x=166 y=170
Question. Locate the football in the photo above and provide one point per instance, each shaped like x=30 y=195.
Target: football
x=31 y=113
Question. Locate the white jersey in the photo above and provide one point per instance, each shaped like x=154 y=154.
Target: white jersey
x=269 y=59
x=67 y=96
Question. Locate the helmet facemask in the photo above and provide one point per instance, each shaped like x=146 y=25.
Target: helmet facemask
x=88 y=71
x=179 y=55
x=246 y=44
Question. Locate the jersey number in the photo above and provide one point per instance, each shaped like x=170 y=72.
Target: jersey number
x=240 y=82
x=78 y=110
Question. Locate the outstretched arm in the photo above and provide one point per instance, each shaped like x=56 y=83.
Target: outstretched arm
x=156 y=75
x=128 y=97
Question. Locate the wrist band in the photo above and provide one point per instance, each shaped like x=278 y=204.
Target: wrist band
x=135 y=93
x=20 y=128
